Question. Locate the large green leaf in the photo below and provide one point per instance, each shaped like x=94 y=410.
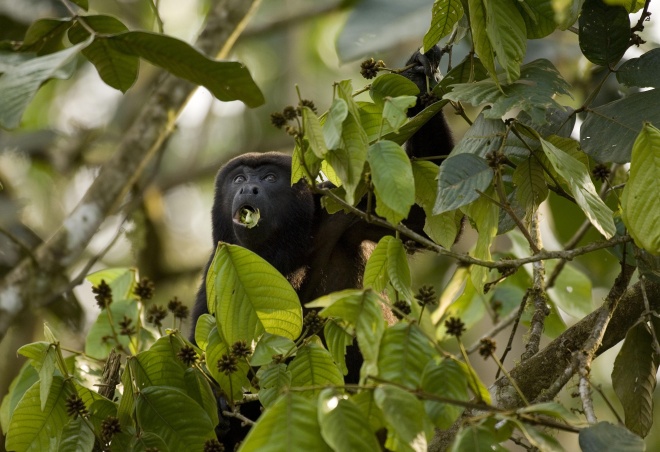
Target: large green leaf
x=539 y=17
x=362 y=310
x=641 y=191
x=314 y=366
x=122 y=281
x=250 y=296
x=274 y=379
x=634 y=378
x=314 y=132
x=375 y=273
x=398 y=269
x=23 y=381
x=571 y=291
x=604 y=32
x=484 y=136
x=529 y=178
x=444 y=16
x=607 y=436
x=160 y=366
x=45 y=35
x=478 y=438
x=642 y=71
x=34 y=429
x=169 y=413
x=337 y=339
x=77 y=437
x=290 y=424
x=444 y=380
x=268 y=346
x=391 y=85
x=576 y=175
x=408 y=426
x=480 y=38
x=533 y=92
x=116 y=69
x=485 y=217
x=392 y=176
x=343 y=425
x=231 y=383
x=507 y=34
x=404 y=354
x=95 y=344
x=332 y=127
x=460 y=180
x=226 y=80
x=19 y=84
x=609 y=131
x=348 y=160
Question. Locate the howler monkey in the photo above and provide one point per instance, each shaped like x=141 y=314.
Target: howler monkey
x=316 y=251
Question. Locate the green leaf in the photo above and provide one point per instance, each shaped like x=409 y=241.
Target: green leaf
x=414 y=124
x=404 y=354
x=408 y=426
x=426 y=185
x=398 y=269
x=314 y=132
x=95 y=345
x=391 y=85
x=395 y=110
x=507 y=34
x=471 y=69
x=226 y=80
x=529 y=178
x=169 y=413
x=122 y=281
x=19 y=84
x=444 y=380
x=34 y=429
x=126 y=407
x=642 y=71
x=337 y=339
x=343 y=425
x=566 y=12
x=274 y=380
x=362 y=310
x=460 y=179
x=332 y=127
x=314 y=366
x=45 y=36
x=160 y=366
x=205 y=323
x=484 y=136
x=444 y=16
x=537 y=438
x=290 y=424
x=609 y=131
x=84 y=4
x=23 y=381
x=634 y=378
x=641 y=191
x=251 y=296
x=534 y=92
x=348 y=161
x=392 y=176
x=115 y=68
x=367 y=405
x=470 y=307
x=477 y=438
x=539 y=17
x=77 y=437
x=576 y=175
x=199 y=388
x=268 y=346
x=607 y=436
x=604 y=32
x=232 y=384
x=376 y=274
x=442 y=228
x=480 y=38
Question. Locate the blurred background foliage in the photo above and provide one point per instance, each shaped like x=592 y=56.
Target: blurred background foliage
x=72 y=126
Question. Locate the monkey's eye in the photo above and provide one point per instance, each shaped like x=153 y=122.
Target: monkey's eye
x=239 y=179
x=270 y=177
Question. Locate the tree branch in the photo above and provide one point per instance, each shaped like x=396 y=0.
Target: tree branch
x=29 y=285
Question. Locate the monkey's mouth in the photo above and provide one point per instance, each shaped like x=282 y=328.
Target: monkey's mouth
x=247 y=216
